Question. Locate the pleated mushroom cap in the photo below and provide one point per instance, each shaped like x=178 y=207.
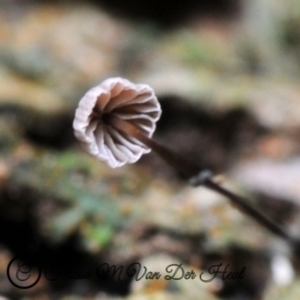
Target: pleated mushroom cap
x=135 y=103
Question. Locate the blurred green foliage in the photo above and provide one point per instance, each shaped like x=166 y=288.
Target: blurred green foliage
x=81 y=201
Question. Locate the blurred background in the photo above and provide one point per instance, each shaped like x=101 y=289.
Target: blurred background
x=227 y=75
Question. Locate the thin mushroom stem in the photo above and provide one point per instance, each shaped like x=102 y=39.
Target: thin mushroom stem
x=245 y=207
x=200 y=177
x=168 y=155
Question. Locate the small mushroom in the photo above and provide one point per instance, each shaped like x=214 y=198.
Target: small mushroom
x=133 y=103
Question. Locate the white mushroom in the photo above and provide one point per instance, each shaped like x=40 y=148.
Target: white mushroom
x=134 y=103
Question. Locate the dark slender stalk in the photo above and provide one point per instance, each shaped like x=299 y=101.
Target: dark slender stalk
x=168 y=155
x=200 y=177
x=247 y=208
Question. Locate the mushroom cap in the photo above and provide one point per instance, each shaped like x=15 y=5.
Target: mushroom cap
x=134 y=103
